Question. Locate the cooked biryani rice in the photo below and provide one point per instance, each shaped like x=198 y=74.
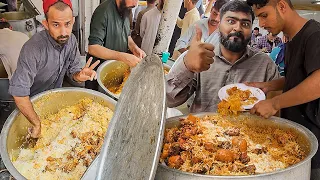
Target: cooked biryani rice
x=215 y=145
x=118 y=88
x=70 y=140
x=236 y=99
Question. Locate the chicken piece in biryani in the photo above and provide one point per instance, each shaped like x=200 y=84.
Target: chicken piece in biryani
x=236 y=99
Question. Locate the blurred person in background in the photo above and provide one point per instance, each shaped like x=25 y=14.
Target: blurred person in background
x=135 y=34
x=268 y=42
x=192 y=15
x=255 y=35
x=10 y=46
x=149 y=27
x=277 y=54
x=210 y=3
x=208 y=26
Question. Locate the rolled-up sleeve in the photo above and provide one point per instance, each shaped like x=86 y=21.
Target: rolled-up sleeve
x=179 y=83
x=97 y=28
x=184 y=40
x=23 y=77
x=76 y=64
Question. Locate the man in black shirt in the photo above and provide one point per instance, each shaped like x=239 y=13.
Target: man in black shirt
x=301 y=85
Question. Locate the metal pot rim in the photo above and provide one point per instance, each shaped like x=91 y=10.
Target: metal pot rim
x=100 y=83
x=100 y=68
x=312 y=139
x=7 y=125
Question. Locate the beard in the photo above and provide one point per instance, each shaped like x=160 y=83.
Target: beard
x=236 y=45
x=62 y=39
x=124 y=11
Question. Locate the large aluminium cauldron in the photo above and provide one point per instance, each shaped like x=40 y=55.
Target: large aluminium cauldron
x=110 y=73
x=15 y=127
x=21 y=21
x=299 y=171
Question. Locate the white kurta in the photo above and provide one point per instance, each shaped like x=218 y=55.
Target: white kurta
x=148 y=29
x=11 y=43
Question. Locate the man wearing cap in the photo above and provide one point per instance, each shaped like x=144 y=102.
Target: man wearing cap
x=46 y=58
x=110 y=34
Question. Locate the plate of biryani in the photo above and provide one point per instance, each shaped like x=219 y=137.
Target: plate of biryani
x=238 y=97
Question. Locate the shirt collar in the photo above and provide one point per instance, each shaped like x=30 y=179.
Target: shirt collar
x=53 y=42
x=245 y=56
x=192 y=11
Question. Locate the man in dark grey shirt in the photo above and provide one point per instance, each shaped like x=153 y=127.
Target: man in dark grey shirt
x=46 y=58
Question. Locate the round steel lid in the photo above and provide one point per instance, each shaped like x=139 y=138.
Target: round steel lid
x=133 y=141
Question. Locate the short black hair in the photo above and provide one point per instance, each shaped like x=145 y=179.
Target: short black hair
x=4 y=25
x=151 y=1
x=236 y=6
x=262 y=3
x=219 y=3
x=256 y=28
x=195 y=1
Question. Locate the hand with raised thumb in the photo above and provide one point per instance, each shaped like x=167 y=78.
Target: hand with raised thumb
x=200 y=55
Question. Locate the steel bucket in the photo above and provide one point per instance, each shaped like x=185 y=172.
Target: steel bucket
x=110 y=73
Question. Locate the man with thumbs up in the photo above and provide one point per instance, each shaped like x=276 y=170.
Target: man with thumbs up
x=204 y=68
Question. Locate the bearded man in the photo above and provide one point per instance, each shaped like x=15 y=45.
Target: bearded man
x=204 y=69
x=110 y=35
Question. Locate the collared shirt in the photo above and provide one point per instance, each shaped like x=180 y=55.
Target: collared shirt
x=108 y=28
x=263 y=43
x=253 y=66
x=213 y=38
x=190 y=18
x=10 y=45
x=43 y=63
x=149 y=28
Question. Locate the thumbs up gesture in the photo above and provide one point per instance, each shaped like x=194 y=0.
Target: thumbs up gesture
x=200 y=55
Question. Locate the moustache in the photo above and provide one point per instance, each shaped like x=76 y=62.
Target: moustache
x=214 y=21
x=237 y=34
x=63 y=37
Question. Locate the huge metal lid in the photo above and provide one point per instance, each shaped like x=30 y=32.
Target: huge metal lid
x=132 y=144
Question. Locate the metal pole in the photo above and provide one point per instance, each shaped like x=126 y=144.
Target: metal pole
x=82 y=20
x=168 y=21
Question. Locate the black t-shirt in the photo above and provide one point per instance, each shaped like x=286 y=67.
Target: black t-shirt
x=302 y=58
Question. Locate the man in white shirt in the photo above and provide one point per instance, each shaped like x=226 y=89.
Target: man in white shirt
x=149 y=27
x=10 y=46
x=208 y=26
x=192 y=15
